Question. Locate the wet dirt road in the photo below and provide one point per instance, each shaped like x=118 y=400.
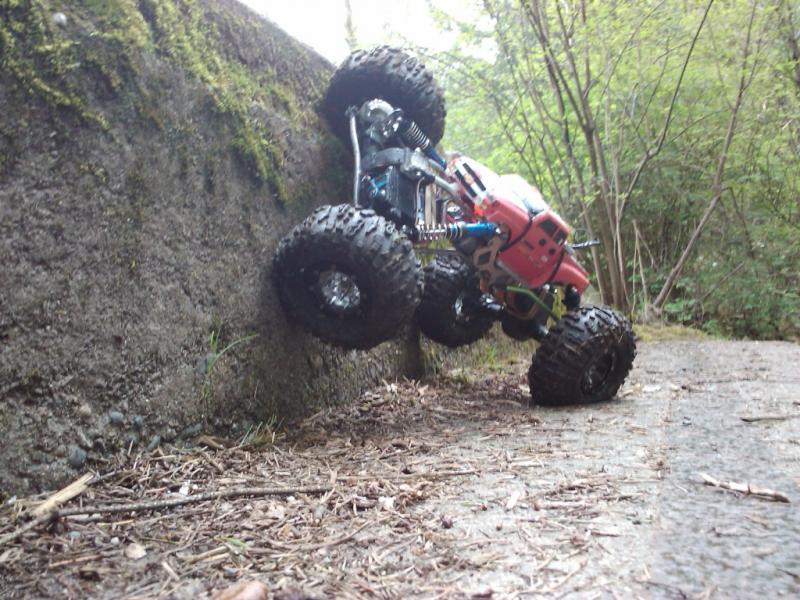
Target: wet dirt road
x=455 y=488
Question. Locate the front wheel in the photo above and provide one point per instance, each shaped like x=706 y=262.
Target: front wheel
x=584 y=358
x=348 y=277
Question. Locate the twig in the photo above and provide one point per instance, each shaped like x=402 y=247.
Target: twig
x=212 y=462
x=568 y=576
x=142 y=506
x=25 y=528
x=406 y=477
x=769 y=418
x=312 y=547
x=233 y=493
x=65 y=494
x=746 y=488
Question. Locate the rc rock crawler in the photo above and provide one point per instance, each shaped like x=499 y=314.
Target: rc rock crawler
x=349 y=273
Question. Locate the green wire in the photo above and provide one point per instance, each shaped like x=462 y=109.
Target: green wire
x=534 y=297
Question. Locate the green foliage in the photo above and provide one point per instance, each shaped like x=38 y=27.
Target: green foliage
x=209 y=363
x=41 y=61
x=215 y=353
x=263 y=434
x=507 y=108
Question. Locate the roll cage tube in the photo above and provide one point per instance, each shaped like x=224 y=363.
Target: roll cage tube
x=351 y=115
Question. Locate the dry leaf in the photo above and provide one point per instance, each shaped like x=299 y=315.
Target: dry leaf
x=135 y=551
x=247 y=590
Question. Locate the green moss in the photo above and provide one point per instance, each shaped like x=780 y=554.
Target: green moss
x=97 y=171
x=102 y=45
x=37 y=58
x=136 y=188
x=183 y=32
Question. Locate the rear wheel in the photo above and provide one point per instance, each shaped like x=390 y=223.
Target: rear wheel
x=584 y=358
x=348 y=276
x=389 y=74
x=450 y=312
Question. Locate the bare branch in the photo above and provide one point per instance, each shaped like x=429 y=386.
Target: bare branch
x=716 y=186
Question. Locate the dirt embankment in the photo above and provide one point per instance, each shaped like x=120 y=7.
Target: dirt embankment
x=456 y=488
x=151 y=155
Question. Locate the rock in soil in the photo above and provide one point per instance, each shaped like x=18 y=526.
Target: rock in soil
x=77 y=457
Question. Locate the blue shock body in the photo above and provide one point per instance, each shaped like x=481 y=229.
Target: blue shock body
x=479 y=230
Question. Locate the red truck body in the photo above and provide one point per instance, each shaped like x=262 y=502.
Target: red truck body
x=535 y=252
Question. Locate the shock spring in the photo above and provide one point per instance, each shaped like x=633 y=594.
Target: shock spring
x=431 y=233
x=413 y=135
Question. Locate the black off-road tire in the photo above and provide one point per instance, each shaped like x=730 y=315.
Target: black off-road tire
x=342 y=248
x=451 y=283
x=584 y=358
x=390 y=74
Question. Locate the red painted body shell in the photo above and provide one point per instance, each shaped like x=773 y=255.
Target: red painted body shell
x=535 y=251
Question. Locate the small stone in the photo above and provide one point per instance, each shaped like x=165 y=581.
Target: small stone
x=168 y=434
x=138 y=421
x=203 y=362
x=447 y=522
x=230 y=573
x=77 y=457
x=116 y=417
x=154 y=442
x=191 y=431
x=84 y=410
x=60 y=19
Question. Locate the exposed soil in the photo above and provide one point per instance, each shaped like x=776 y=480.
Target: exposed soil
x=455 y=488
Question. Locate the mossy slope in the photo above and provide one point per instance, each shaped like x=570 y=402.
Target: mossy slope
x=152 y=154
x=101 y=46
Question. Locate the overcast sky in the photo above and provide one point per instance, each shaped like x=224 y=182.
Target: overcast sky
x=320 y=23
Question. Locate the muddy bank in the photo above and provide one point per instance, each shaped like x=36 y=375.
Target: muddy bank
x=151 y=155
x=455 y=488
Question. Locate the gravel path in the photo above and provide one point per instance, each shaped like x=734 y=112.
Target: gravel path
x=455 y=488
